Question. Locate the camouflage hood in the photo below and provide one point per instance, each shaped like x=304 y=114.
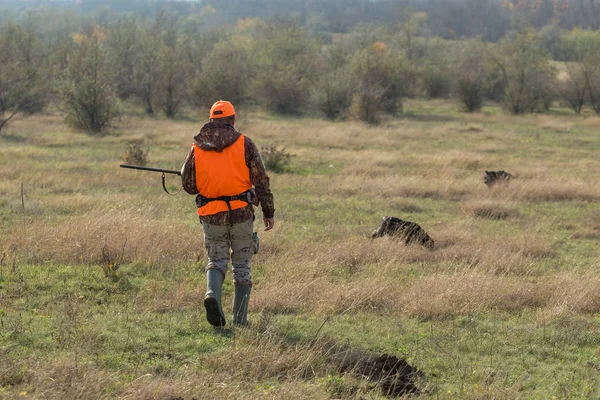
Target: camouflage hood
x=216 y=136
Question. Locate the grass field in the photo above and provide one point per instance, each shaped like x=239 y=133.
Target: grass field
x=506 y=307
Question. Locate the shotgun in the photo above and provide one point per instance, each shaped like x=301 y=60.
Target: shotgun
x=163 y=171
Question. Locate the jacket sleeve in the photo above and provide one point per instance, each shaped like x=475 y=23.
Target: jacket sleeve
x=188 y=173
x=259 y=178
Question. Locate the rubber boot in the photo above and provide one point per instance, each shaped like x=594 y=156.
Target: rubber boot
x=212 y=300
x=241 y=297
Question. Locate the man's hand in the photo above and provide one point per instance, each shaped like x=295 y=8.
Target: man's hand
x=269 y=223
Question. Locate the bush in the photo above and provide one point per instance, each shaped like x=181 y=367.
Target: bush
x=471 y=82
x=469 y=91
x=365 y=104
x=275 y=160
x=436 y=82
x=332 y=95
x=136 y=153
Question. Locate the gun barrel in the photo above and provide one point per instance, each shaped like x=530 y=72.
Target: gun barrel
x=166 y=171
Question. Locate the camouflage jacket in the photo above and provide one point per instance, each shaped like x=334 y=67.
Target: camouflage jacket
x=216 y=136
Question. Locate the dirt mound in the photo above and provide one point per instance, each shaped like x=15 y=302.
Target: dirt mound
x=179 y=398
x=393 y=375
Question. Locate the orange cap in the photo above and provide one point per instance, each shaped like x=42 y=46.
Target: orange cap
x=221 y=109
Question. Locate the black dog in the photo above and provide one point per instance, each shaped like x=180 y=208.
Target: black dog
x=492 y=177
x=408 y=231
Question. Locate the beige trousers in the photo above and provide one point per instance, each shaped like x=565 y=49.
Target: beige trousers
x=230 y=242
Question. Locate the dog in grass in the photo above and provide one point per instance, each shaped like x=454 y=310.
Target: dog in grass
x=493 y=177
x=407 y=231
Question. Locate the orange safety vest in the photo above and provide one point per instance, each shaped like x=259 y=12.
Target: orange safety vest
x=222 y=173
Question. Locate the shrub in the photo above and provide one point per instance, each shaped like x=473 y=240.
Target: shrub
x=469 y=92
x=471 y=82
x=275 y=160
x=332 y=95
x=136 y=153
x=365 y=104
x=436 y=81
x=111 y=261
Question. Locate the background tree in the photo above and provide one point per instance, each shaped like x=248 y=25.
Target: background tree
x=581 y=78
x=146 y=69
x=285 y=58
x=21 y=86
x=551 y=39
x=379 y=82
x=471 y=77
x=524 y=67
x=572 y=86
x=435 y=69
x=331 y=95
x=171 y=84
x=122 y=47
x=224 y=74
x=591 y=71
x=170 y=88
x=585 y=49
x=408 y=32
x=87 y=87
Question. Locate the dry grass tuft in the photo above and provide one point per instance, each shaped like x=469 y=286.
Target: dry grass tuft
x=67 y=379
x=393 y=187
x=82 y=239
x=490 y=209
x=372 y=275
x=184 y=296
x=199 y=384
x=437 y=296
x=554 y=125
x=548 y=188
x=443 y=296
x=265 y=356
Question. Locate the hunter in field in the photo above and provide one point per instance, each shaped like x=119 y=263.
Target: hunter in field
x=224 y=169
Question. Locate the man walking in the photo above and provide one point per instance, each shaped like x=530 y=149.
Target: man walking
x=225 y=171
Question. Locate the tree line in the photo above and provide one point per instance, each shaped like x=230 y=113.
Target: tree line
x=450 y=19
x=88 y=70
